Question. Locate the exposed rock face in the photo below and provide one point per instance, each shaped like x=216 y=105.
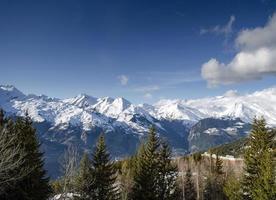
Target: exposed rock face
x=211 y=132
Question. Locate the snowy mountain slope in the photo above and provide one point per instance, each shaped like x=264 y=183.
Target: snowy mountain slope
x=231 y=104
x=80 y=120
x=176 y=109
x=84 y=109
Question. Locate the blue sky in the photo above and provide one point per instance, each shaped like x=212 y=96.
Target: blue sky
x=141 y=50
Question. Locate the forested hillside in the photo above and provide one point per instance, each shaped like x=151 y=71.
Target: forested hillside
x=151 y=173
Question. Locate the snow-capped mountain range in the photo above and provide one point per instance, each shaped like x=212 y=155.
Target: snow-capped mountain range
x=87 y=111
x=188 y=125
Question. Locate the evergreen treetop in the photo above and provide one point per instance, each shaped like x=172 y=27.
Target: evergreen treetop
x=104 y=174
x=259 y=178
x=155 y=175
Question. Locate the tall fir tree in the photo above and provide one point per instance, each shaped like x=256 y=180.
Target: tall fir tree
x=103 y=186
x=189 y=187
x=35 y=184
x=12 y=159
x=146 y=169
x=167 y=179
x=84 y=180
x=259 y=178
x=155 y=176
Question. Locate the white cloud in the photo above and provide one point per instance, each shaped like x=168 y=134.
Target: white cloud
x=256 y=59
x=149 y=88
x=231 y=93
x=123 y=79
x=225 y=30
x=258 y=37
x=148 y=96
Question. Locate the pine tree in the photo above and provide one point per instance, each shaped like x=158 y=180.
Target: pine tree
x=215 y=180
x=146 y=170
x=189 y=188
x=167 y=179
x=104 y=185
x=259 y=178
x=155 y=177
x=12 y=160
x=218 y=166
x=84 y=179
x=35 y=186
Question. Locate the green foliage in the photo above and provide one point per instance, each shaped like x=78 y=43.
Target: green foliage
x=232 y=188
x=149 y=175
x=259 y=178
x=32 y=183
x=155 y=176
x=36 y=185
x=145 y=183
x=84 y=180
x=12 y=160
x=167 y=179
x=213 y=189
x=104 y=174
x=97 y=178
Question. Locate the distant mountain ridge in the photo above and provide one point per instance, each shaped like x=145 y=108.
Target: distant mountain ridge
x=189 y=125
x=231 y=104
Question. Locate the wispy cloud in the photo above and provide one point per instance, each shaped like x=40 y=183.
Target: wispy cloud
x=168 y=79
x=225 y=30
x=148 y=88
x=154 y=81
x=123 y=79
x=148 y=96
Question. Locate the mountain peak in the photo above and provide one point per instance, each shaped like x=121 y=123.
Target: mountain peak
x=7 y=87
x=122 y=102
x=259 y=103
x=82 y=100
x=10 y=92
